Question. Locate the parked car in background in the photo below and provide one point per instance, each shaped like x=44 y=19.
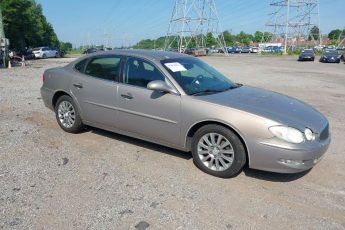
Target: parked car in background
x=231 y=50
x=319 y=47
x=179 y=101
x=246 y=49
x=27 y=53
x=307 y=55
x=211 y=50
x=91 y=50
x=195 y=52
x=190 y=51
x=254 y=49
x=330 y=56
x=272 y=49
x=60 y=52
x=238 y=49
x=45 y=52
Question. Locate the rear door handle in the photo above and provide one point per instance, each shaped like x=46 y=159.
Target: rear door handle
x=127 y=96
x=79 y=85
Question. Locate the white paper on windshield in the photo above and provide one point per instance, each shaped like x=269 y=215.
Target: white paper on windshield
x=175 y=67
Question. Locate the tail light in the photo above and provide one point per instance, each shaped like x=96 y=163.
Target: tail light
x=43 y=78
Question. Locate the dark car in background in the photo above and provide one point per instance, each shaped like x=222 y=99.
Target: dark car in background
x=190 y=51
x=330 y=56
x=58 y=51
x=307 y=55
x=91 y=50
x=231 y=50
x=246 y=49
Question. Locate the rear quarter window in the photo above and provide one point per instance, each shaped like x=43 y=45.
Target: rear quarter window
x=80 y=66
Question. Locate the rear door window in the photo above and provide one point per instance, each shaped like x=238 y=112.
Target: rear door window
x=106 y=68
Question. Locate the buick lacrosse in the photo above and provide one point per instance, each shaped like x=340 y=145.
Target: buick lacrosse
x=179 y=101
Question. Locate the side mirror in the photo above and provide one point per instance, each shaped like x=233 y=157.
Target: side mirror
x=159 y=85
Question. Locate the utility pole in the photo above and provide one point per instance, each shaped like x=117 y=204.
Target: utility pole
x=108 y=40
x=287 y=27
x=190 y=22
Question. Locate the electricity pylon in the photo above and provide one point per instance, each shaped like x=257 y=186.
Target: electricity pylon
x=291 y=21
x=190 y=22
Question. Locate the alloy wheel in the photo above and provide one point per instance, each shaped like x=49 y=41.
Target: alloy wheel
x=66 y=114
x=215 y=151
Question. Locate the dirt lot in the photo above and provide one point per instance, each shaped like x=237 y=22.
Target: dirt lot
x=98 y=180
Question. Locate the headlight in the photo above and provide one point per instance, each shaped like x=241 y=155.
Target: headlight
x=309 y=135
x=288 y=134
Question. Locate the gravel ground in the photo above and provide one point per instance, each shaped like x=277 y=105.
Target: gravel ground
x=50 y=179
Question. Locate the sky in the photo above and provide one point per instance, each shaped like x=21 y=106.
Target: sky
x=128 y=21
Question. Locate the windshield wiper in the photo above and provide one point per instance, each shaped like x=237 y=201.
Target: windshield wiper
x=212 y=91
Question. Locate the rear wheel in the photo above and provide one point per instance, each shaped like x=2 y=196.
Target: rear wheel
x=67 y=115
x=218 y=151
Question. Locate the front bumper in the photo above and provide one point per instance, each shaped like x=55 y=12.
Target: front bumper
x=306 y=58
x=330 y=60
x=269 y=156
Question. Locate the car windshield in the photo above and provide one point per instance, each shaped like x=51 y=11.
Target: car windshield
x=307 y=51
x=36 y=49
x=196 y=77
x=330 y=52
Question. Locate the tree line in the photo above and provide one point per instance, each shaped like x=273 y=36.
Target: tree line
x=26 y=26
x=230 y=40
x=242 y=38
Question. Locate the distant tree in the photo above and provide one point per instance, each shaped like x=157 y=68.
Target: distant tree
x=210 y=41
x=314 y=33
x=258 y=36
x=145 y=44
x=334 y=34
x=228 y=38
x=66 y=46
x=25 y=25
x=244 y=38
x=267 y=36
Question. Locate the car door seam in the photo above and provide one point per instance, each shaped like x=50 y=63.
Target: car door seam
x=131 y=112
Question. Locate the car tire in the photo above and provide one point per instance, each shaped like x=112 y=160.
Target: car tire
x=44 y=56
x=67 y=115
x=224 y=155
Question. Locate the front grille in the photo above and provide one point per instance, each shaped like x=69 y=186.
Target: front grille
x=325 y=133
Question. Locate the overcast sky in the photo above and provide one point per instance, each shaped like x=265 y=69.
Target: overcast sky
x=129 y=21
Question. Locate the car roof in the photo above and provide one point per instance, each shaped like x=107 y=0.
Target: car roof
x=148 y=54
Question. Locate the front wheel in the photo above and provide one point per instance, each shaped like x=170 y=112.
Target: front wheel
x=67 y=115
x=218 y=151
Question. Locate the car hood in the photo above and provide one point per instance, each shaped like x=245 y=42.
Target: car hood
x=271 y=105
x=331 y=55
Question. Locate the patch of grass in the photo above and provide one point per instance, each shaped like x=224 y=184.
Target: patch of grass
x=75 y=51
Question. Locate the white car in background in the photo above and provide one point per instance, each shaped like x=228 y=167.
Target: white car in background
x=45 y=52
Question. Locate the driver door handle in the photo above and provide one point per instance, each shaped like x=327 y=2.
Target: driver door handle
x=127 y=96
x=79 y=85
